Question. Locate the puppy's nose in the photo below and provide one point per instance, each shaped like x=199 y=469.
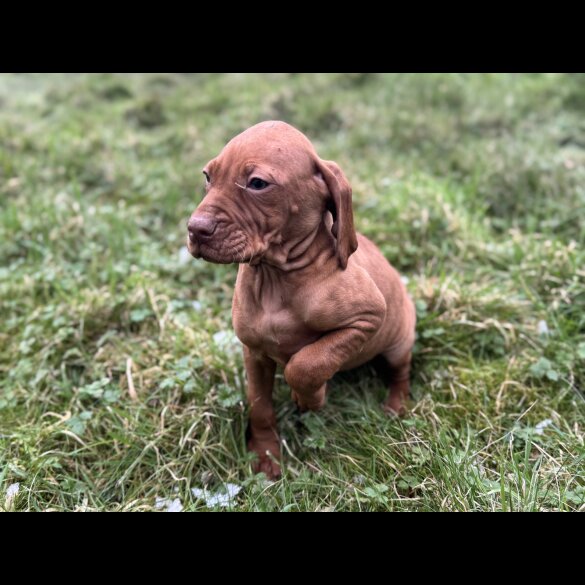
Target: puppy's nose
x=201 y=227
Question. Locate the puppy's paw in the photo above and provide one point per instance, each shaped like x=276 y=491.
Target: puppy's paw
x=394 y=407
x=268 y=466
x=304 y=378
x=314 y=401
x=268 y=455
x=391 y=413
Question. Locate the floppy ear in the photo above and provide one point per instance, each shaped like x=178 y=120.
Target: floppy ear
x=340 y=207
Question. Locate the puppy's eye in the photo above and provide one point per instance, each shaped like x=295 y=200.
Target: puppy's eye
x=206 y=177
x=257 y=184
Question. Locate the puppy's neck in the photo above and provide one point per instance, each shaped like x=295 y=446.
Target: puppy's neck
x=316 y=247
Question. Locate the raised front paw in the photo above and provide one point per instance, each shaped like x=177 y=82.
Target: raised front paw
x=305 y=377
x=314 y=401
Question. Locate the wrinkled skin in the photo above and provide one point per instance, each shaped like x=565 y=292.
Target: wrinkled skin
x=311 y=295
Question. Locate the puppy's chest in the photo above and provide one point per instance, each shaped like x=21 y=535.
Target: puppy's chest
x=271 y=324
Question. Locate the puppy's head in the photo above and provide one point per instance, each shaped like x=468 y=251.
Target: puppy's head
x=267 y=190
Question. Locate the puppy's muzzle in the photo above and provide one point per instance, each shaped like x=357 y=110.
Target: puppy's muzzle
x=201 y=228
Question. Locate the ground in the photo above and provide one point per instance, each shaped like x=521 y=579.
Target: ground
x=121 y=384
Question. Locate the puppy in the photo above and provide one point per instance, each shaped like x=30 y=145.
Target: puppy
x=311 y=294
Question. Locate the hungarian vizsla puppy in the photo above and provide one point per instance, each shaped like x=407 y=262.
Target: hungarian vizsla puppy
x=311 y=294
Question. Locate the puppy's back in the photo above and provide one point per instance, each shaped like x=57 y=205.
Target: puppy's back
x=398 y=328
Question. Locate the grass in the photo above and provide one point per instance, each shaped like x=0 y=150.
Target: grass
x=472 y=185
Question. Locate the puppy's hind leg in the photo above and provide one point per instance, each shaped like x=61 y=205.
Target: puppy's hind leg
x=396 y=375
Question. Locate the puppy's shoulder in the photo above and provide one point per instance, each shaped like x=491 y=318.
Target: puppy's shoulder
x=344 y=298
x=369 y=250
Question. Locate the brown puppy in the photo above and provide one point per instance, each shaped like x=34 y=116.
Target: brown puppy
x=311 y=294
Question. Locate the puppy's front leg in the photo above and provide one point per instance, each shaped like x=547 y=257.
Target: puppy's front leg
x=309 y=369
x=263 y=436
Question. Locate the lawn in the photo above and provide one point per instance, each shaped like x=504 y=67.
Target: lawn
x=121 y=381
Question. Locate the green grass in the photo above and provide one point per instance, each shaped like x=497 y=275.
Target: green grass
x=472 y=185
